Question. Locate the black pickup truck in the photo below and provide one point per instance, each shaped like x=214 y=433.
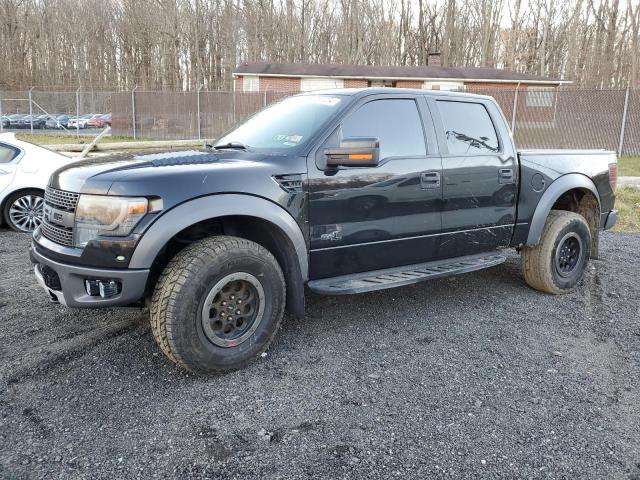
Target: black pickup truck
x=344 y=191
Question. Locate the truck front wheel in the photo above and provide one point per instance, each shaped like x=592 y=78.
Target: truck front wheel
x=218 y=304
x=557 y=263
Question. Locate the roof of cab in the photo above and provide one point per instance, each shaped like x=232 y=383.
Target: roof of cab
x=391 y=91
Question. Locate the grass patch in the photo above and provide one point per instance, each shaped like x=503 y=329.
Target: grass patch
x=628 y=205
x=64 y=139
x=629 y=167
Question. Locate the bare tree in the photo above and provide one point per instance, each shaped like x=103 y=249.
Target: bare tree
x=186 y=44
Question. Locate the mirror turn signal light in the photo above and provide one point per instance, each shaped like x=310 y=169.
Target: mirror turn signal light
x=360 y=156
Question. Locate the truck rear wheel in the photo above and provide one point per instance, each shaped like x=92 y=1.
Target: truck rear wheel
x=218 y=304
x=557 y=263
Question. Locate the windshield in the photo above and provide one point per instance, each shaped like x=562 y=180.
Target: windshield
x=286 y=124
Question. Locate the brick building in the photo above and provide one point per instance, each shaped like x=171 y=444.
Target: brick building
x=300 y=77
x=536 y=95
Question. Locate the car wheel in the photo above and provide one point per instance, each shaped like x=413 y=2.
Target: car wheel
x=218 y=304
x=558 y=262
x=23 y=210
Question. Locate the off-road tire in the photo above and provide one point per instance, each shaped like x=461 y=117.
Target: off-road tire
x=180 y=293
x=539 y=263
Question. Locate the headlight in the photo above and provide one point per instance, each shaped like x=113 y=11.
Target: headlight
x=105 y=215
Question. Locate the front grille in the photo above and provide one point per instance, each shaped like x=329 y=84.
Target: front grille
x=60 y=199
x=63 y=201
x=61 y=235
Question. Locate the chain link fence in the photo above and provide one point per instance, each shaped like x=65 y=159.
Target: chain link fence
x=539 y=118
x=184 y=115
x=572 y=118
x=29 y=110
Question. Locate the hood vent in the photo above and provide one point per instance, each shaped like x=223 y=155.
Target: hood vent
x=290 y=183
x=178 y=158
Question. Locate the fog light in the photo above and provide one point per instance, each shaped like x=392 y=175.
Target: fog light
x=108 y=289
x=92 y=288
x=102 y=288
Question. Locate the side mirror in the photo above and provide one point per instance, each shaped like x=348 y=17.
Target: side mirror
x=354 y=152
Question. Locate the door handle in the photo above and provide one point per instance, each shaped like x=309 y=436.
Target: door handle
x=4 y=172
x=430 y=180
x=505 y=175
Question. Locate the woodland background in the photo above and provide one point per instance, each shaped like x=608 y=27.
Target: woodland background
x=185 y=44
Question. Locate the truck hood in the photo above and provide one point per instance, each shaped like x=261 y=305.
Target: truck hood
x=177 y=176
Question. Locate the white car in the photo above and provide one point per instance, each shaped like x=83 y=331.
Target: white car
x=24 y=172
x=81 y=122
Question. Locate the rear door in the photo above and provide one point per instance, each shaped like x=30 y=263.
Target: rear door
x=368 y=218
x=479 y=175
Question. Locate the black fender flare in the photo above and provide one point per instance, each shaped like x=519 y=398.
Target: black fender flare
x=560 y=186
x=205 y=208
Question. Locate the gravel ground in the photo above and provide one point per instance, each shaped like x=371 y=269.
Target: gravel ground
x=467 y=377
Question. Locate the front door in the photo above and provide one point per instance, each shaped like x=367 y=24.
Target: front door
x=368 y=218
x=479 y=178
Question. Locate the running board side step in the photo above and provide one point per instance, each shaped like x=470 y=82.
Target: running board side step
x=399 y=276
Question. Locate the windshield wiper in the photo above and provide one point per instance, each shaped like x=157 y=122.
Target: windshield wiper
x=232 y=145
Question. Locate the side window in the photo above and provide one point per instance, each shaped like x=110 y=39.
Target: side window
x=468 y=128
x=7 y=153
x=395 y=122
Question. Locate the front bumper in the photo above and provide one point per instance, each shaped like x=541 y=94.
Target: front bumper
x=65 y=283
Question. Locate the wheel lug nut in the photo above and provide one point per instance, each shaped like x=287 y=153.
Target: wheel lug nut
x=223 y=314
x=233 y=297
x=238 y=312
x=224 y=303
x=239 y=302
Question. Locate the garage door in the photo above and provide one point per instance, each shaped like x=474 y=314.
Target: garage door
x=308 y=84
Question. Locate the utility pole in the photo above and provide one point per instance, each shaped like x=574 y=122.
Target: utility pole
x=31 y=110
x=197 y=66
x=133 y=110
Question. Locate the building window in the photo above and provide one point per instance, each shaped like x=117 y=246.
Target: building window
x=446 y=86
x=251 y=83
x=381 y=83
x=319 y=83
x=540 y=96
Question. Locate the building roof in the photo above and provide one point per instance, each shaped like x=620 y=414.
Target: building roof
x=389 y=73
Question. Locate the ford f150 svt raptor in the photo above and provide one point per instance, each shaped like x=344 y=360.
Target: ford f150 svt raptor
x=344 y=191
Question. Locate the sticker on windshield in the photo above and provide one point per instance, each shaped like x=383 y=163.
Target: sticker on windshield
x=289 y=140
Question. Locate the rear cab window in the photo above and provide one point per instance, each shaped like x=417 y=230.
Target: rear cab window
x=468 y=128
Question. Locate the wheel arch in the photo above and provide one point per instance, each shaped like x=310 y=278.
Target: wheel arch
x=573 y=192
x=246 y=216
